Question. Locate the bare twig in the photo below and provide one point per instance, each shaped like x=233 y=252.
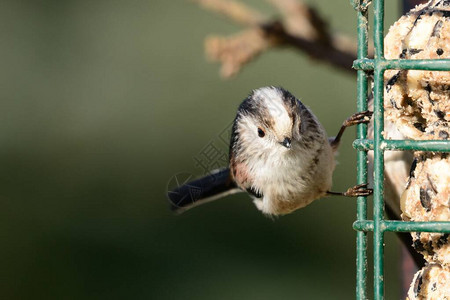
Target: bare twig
x=302 y=20
x=301 y=27
x=237 y=50
x=236 y=11
x=328 y=52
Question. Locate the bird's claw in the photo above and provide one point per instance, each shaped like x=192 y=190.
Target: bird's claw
x=359 y=118
x=358 y=190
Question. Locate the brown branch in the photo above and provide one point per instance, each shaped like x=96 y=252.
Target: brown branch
x=302 y=20
x=237 y=50
x=328 y=52
x=301 y=27
x=236 y=11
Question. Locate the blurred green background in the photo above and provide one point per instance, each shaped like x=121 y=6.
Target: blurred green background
x=102 y=102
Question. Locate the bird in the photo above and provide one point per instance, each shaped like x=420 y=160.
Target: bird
x=279 y=154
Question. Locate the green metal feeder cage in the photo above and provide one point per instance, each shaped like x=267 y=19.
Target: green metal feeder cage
x=379 y=225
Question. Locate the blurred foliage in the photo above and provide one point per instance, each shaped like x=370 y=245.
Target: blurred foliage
x=102 y=102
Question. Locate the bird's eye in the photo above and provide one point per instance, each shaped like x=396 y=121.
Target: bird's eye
x=261 y=132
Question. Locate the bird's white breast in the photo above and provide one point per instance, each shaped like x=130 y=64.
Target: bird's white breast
x=292 y=180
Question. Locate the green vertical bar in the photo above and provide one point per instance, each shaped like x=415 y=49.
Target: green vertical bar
x=361 y=203
x=378 y=205
x=378 y=33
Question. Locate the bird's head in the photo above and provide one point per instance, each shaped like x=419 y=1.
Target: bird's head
x=268 y=122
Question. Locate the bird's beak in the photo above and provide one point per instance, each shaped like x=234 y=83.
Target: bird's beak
x=286 y=142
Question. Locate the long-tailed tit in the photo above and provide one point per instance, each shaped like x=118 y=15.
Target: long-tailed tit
x=279 y=153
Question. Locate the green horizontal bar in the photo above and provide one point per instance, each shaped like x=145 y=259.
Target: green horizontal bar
x=363 y=144
x=407 y=64
x=418 y=64
x=363 y=226
x=429 y=145
x=402 y=226
x=364 y=64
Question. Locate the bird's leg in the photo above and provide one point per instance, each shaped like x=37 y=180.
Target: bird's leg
x=356 y=191
x=358 y=118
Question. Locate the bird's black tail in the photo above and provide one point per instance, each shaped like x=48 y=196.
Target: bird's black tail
x=211 y=187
